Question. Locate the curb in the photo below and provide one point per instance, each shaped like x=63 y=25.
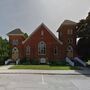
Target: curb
x=78 y=72
x=46 y=73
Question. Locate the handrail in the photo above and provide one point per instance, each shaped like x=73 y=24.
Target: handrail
x=69 y=61
x=79 y=60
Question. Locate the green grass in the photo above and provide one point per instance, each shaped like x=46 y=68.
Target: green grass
x=44 y=67
x=88 y=62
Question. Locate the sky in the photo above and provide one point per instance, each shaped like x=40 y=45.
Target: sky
x=29 y=14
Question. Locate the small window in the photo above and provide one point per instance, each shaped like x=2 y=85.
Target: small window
x=70 y=31
x=15 y=42
x=56 y=50
x=42 y=33
x=70 y=40
x=28 y=50
x=69 y=48
x=15 y=49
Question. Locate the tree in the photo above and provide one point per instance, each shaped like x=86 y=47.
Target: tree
x=83 y=32
x=83 y=48
x=26 y=35
x=4 y=50
x=83 y=27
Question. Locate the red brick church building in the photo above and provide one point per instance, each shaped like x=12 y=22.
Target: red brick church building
x=42 y=45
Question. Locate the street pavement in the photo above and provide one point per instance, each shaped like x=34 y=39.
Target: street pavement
x=44 y=79
x=44 y=82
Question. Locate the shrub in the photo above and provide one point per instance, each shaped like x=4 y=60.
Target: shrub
x=25 y=61
x=2 y=60
x=34 y=62
x=58 y=63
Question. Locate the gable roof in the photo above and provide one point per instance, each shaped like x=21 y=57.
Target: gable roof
x=16 y=31
x=42 y=24
x=66 y=22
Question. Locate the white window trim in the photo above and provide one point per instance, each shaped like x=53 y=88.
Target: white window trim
x=39 y=47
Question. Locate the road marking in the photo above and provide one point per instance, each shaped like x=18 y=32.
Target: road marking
x=43 y=81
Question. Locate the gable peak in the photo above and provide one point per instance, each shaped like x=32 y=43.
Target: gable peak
x=16 y=31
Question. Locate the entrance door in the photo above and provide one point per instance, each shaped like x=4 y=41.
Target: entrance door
x=15 y=53
x=70 y=51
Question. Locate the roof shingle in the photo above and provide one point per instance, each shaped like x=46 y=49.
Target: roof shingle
x=67 y=23
x=15 y=32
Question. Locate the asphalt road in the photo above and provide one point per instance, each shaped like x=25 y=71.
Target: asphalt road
x=44 y=82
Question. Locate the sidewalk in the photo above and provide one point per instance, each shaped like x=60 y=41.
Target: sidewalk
x=5 y=67
x=5 y=70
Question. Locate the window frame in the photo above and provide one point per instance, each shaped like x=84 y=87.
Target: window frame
x=42 y=48
x=56 y=50
x=70 y=31
x=15 y=42
x=70 y=48
x=27 y=50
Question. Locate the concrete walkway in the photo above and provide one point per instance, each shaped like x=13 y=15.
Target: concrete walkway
x=5 y=67
x=5 y=70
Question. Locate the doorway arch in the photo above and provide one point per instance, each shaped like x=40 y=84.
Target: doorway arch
x=70 y=51
x=15 y=53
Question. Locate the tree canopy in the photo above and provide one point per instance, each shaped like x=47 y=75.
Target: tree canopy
x=83 y=27
x=83 y=32
x=4 y=50
x=26 y=35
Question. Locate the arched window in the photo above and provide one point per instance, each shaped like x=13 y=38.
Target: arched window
x=15 y=53
x=42 y=48
x=15 y=49
x=28 y=50
x=70 y=48
x=70 y=51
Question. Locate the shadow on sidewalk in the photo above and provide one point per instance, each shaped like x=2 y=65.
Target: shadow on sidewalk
x=84 y=71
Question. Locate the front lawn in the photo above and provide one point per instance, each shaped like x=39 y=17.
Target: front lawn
x=44 y=67
x=88 y=62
